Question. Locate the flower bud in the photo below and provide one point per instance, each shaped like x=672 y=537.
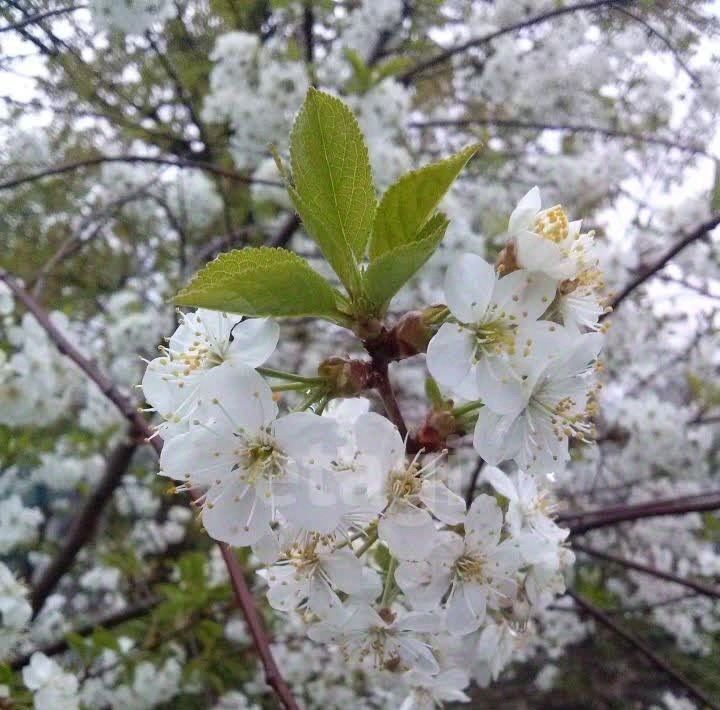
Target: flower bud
x=345 y=378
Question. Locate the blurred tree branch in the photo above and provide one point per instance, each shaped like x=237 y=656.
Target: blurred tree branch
x=139 y=424
x=598 y=615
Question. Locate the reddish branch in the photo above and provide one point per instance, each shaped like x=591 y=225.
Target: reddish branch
x=387 y=394
x=698 y=587
x=642 y=647
x=153 y=160
x=239 y=585
x=646 y=273
x=486 y=39
x=582 y=522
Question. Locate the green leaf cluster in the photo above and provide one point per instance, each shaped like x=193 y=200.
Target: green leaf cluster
x=373 y=248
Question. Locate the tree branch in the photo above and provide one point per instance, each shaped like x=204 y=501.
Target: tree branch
x=240 y=589
x=286 y=232
x=470 y=493
x=698 y=233
x=154 y=160
x=642 y=647
x=381 y=382
x=569 y=127
x=673 y=49
x=107 y=622
x=579 y=523
x=84 y=524
x=698 y=587
x=442 y=57
x=40 y=16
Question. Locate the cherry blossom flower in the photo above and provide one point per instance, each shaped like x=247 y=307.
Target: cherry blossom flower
x=388 y=640
x=250 y=462
x=204 y=340
x=465 y=354
x=478 y=569
x=52 y=687
x=550 y=378
x=310 y=573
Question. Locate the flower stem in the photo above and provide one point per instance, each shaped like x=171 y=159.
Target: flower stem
x=371 y=538
x=291 y=387
x=467 y=408
x=282 y=375
x=389 y=583
x=440 y=315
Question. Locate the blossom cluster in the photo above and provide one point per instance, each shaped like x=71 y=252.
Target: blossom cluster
x=359 y=531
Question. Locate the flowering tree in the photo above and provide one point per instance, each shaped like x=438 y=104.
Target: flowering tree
x=392 y=470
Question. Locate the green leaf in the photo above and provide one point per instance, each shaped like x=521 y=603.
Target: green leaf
x=362 y=79
x=408 y=204
x=262 y=281
x=333 y=188
x=387 y=274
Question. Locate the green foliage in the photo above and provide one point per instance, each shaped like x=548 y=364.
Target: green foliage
x=366 y=76
x=408 y=204
x=331 y=185
x=262 y=281
x=389 y=272
x=333 y=188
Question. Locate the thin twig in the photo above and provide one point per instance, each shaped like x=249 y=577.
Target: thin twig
x=40 y=16
x=698 y=233
x=240 y=589
x=569 y=127
x=698 y=587
x=673 y=49
x=470 y=493
x=107 y=622
x=442 y=57
x=642 y=647
x=154 y=160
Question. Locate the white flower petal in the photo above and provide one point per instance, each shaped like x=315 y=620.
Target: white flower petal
x=500 y=482
x=408 y=531
x=483 y=523
x=253 y=341
x=469 y=284
x=450 y=354
x=500 y=387
x=523 y=216
x=445 y=505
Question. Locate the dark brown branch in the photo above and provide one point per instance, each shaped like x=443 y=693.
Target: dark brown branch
x=84 y=523
x=569 y=127
x=387 y=394
x=39 y=17
x=242 y=593
x=470 y=493
x=308 y=32
x=107 y=622
x=643 y=648
x=579 y=523
x=442 y=57
x=698 y=233
x=153 y=160
x=698 y=587
x=286 y=232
